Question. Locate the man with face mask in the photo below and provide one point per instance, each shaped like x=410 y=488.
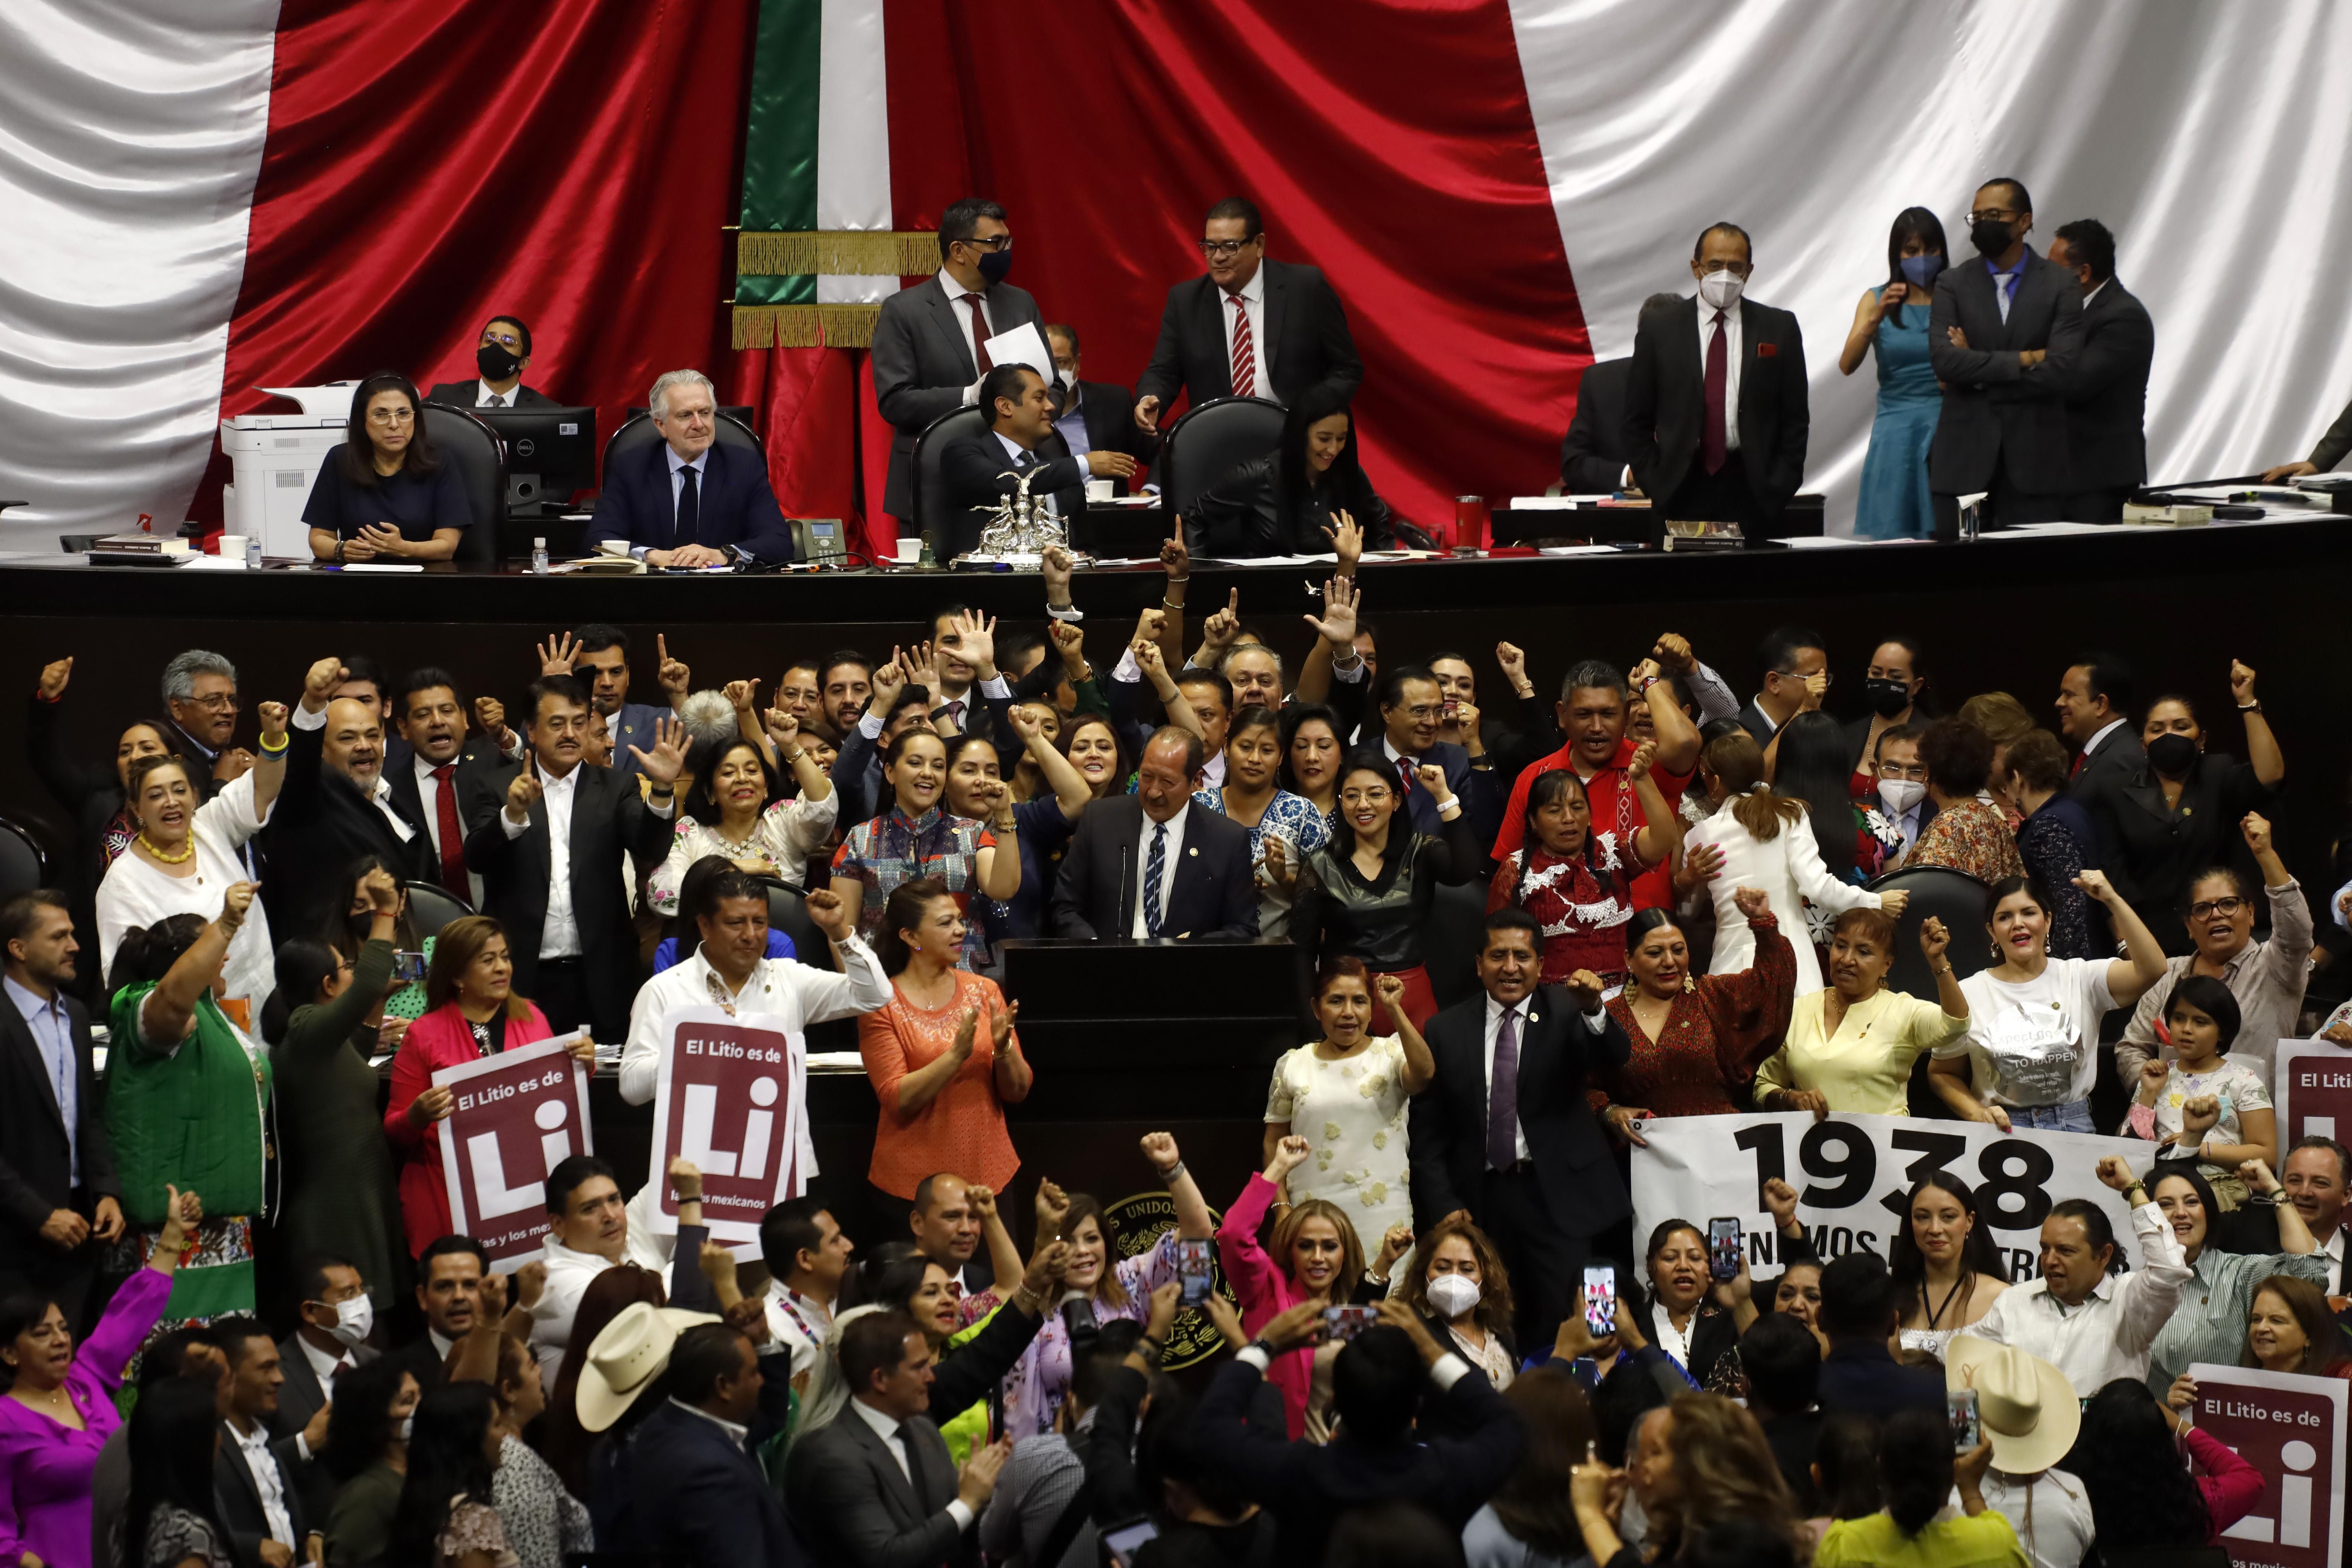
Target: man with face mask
x=2003 y=336
x=2106 y=402
x=335 y=806
x=931 y=343
x=501 y=356
x=329 y=1340
x=1716 y=406
x=1093 y=415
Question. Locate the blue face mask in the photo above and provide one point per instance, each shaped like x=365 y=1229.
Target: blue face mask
x=1920 y=272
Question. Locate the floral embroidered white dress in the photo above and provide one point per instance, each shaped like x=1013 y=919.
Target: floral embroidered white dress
x=1352 y=1113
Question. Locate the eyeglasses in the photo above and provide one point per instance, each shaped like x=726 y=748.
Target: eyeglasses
x=510 y=339
x=1741 y=268
x=219 y=701
x=391 y=415
x=1994 y=215
x=994 y=242
x=1917 y=772
x=1424 y=710
x=1221 y=249
x=2209 y=907
x=1363 y=797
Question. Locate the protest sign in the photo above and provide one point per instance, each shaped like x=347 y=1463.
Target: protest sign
x=517 y=1115
x=2289 y=1426
x=730 y=1096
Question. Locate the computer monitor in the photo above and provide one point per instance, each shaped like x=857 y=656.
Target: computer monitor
x=551 y=452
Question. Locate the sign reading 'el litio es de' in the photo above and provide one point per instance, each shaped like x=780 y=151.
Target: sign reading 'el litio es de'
x=731 y=1096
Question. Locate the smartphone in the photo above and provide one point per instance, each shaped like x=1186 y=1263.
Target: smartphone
x=1723 y=1248
x=1346 y=1322
x=408 y=967
x=1601 y=1299
x=1124 y=1540
x=1194 y=1259
x=1961 y=1405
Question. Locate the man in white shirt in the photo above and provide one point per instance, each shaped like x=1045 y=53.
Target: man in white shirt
x=808 y=1256
x=591 y=1234
x=263 y=1514
x=334 y=806
x=2091 y=1326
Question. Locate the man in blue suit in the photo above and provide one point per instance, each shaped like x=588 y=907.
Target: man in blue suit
x=699 y=1496
x=689 y=502
x=1411 y=707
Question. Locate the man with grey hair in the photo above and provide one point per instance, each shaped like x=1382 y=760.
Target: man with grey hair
x=687 y=501
x=200 y=697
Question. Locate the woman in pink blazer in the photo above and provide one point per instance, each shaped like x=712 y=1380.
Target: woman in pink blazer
x=471 y=1012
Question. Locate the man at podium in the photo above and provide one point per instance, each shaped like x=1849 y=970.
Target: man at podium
x=1154 y=863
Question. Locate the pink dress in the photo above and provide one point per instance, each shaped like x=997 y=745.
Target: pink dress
x=1265 y=1292
x=45 y=1466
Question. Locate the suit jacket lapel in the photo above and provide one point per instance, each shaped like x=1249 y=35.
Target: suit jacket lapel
x=1129 y=876
x=1277 y=308
x=955 y=321
x=1213 y=310
x=20 y=1035
x=887 y=1464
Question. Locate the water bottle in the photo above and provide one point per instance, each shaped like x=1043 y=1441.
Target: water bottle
x=253 y=553
x=539 y=558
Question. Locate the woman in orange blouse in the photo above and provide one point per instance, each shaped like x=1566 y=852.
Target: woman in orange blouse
x=942 y=1055
x=1966 y=833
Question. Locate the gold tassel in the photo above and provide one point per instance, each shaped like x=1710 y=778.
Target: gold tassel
x=805 y=326
x=842 y=254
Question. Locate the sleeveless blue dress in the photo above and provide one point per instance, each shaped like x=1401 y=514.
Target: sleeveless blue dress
x=1893 y=503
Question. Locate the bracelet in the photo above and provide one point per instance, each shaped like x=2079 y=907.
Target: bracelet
x=1946 y=970
x=2253 y=707
x=269 y=751
x=1168 y=604
x=1179 y=582
x=1171 y=1173
x=1158 y=1346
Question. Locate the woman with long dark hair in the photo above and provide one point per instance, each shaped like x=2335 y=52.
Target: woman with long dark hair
x=1530 y=1522
x=2142 y=1500
x=1891 y=320
x=1292 y=501
x=344 y=925
x=1284 y=828
x=1917 y=1471
x=1696 y=1038
x=1948 y=1269
x=447 y=1518
x=737 y=809
x=2209 y=1324
x=1811 y=765
x=385 y=493
x=918 y=835
x=1577 y=883
x=171 y=1521
x=1311 y=750
x=367 y=1454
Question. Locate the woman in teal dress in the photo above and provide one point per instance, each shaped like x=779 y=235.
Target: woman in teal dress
x=1892 y=319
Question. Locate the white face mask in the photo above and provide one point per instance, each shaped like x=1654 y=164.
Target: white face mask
x=1068 y=378
x=1452 y=1294
x=407 y=1424
x=1901 y=795
x=353 y=1321
x=1721 y=290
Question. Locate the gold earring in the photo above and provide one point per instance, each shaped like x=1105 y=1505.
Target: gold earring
x=1690 y=982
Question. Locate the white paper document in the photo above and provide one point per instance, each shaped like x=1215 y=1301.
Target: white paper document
x=1023 y=345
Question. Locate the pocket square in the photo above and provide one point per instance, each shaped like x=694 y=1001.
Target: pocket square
x=1768 y=351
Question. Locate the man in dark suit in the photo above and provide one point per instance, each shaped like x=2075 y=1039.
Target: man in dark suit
x=1794 y=658
x=200 y=701
x=1411 y=707
x=1378 y=1382
x=1248 y=328
x=2003 y=336
x=2107 y=400
x=701 y=1498
x=333 y=808
x=329 y=1340
x=253 y=1490
x=689 y=501
x=929 y=352
x=59 y=1200
x=1504 y=1135
x=1592 y=456
x=1096 y=415
x=566 y=918
x=2333 y=447
x=1714 y=376
x=1154 y=863
x=502 y=355
x=983 y=470
x=1858 y=1317
x=440 y=771
x=2095 y=706
x=876 y=1488
x=449 y=1293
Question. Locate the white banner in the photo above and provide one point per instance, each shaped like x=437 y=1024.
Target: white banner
x=729 y=1097
x=2290 y=1428
x=1852 y=1173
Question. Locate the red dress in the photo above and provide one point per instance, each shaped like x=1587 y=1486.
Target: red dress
x=1583 y=903
x=1715 y=1035
x=442 y=1038
x=1615 y=808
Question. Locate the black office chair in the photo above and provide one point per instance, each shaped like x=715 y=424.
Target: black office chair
x=480 y=458
x=1450 y=940
x=641 y=432
x=788 y=912
x=1959 y=901
x=1213 y=440
x=936 y=512
x=432 y=907
x=24 y=866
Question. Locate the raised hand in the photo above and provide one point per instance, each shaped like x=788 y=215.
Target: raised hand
x=783 y=729
x=1817 y=686
x=1288 y=1155
x=2257 y=829
x=828 y=914
x=1055 y=564
x=1394 y=1242
x=273 y=716
x=557 y=654
x=235 y=903
x=976 y=643
x=1153 y=663
x=739 y=694
x=672 y=675
x=2241 y=683
x=1392 y=989
x=1584 y=986
x=2256 y=1174
x=890 y=679
x=530 y=1280
x=983 y=1201
x=2152 y=1074
x=1070 y=642
x=1515 y=668
x=1894 y=901
x=1753 y=903
x=1148 y=626
x=1637 y=766
x=494 y=1299
x=1160 y=1148
x=1432 y=778
x=2114 y=1172
x=1780 y=1199
x=2094 y=885
x=1934 y=939
x=668 y=759
x=54 y=676
x=1347 y=542
x=1220 y=630
x=1025 y=724
x=1337 y=625
x=1052 y=1207
x=1672 y=652
x=1166 y=1303
x=383 y=894
x=1174 y=559
x=923 y=667
x=318 y=683
x=2199 y=1114
x=522 y=793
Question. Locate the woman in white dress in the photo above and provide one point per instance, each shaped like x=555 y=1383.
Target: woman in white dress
x=1767 y=841
x=183 y=858
x=732 y=811
x=1346 y=1094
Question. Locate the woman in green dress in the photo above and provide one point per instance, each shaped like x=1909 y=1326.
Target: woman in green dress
x=341 y=1200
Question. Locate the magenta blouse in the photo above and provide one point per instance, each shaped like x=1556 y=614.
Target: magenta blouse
x=44 y=1467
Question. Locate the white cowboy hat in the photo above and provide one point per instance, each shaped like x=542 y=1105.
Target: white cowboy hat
x=2029 y=1411
x=627 y=1356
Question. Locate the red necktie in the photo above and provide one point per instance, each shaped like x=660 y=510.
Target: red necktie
x=1244 y=350
x=2080 y=759
x=452 y=837
x=1711 y=447
x=1404 y=775
x=979 y=333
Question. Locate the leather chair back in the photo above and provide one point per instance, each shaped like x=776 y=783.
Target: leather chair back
x=431 y=908
x=935 y=513
x=788 y=912
x=1213 y=440
x=480 y=458
x=23 y=864
x=640 y=431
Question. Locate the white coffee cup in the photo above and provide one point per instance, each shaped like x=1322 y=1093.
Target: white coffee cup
x=232 y=547
x=614 y=546
x=911 y=550
x=1098 y=491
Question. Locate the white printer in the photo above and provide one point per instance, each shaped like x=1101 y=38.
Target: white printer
x=275 y=458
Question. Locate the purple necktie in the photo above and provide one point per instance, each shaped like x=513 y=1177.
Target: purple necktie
x=1714 y=445
x=1503 y=1096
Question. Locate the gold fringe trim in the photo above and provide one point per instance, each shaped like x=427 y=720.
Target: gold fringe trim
x=876 y=254
x=805 y=326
